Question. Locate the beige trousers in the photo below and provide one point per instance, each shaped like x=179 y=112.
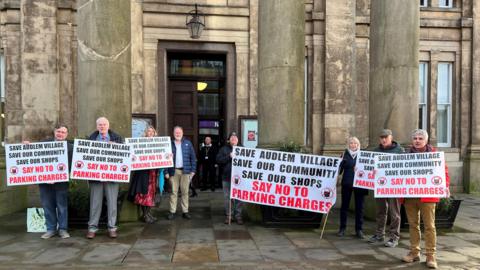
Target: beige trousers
x=183 y=181
x=414 y=209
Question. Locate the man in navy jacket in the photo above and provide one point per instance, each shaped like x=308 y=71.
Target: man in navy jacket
x=185 y=166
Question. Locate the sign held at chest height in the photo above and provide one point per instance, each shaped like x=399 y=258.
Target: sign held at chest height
x=150 y=152
x=415 y=175
x=101 y=161
x=36 y=163
x=289 y=180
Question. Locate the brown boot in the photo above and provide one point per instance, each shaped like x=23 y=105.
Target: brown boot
x=431 y=261
x=411 y=257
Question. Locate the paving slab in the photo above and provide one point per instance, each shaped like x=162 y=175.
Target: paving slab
x=106 y=253
x=195 y=252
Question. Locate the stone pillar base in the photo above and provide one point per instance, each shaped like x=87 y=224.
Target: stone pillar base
x=471 y=180
x=334 y=150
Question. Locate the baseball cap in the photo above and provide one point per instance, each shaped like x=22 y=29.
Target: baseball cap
x=385 y=133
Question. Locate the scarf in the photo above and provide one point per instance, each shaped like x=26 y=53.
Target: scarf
x=353 y=153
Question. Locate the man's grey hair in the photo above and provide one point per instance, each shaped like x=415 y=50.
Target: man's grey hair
x=420 y=132
x=102 y=118
x=175 y=127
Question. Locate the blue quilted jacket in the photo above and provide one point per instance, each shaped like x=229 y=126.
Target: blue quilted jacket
x=189 y=159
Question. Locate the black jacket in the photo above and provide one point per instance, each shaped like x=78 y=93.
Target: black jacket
x=114 y=137
x=224 y=159
x=210 y=152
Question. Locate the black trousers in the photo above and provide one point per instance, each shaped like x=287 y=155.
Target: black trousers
x=359 y=201
x=208 y=175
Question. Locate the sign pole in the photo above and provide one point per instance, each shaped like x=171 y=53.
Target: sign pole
x=324 y=223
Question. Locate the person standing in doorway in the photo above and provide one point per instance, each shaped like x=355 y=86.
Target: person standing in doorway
x=207 y=157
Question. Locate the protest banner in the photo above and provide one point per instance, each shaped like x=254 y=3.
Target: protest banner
x=364 y=170
x=289 y=180
x=150 y=152
x=413 y=175
x=36 y=163
x=101 y=161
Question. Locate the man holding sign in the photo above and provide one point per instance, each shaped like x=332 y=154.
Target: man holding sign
x=386 y=206
x=224 y=157
x=54 y=196
x=98 y=189
x=425 y=207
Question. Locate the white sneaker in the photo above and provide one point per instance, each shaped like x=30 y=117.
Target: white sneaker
x=63 y=234
x=48 y=234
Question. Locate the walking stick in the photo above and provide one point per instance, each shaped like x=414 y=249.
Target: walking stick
x=324 y=223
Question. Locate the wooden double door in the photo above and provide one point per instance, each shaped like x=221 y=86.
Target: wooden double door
x=183 y=108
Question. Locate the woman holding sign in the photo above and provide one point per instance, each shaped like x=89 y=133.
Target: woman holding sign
x=347 y=166
x=424 y=207
x=143 y=186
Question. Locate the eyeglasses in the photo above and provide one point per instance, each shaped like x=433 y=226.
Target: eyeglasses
x=418 y=138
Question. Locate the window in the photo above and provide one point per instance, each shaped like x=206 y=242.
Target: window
x=445 y=3
x=423 y=91
x=444 y=104
x=423 y=3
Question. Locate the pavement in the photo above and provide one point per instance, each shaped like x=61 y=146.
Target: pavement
x=204 y=242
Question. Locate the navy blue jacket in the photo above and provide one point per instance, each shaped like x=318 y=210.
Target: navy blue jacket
x=114 y=137
x=347 y=167
x=188 y=155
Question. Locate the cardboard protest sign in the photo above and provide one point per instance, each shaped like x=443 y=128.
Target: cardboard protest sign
x=289 y=180
x=364 y=170
x=413 y=175
x=150 y=152
x=36 y=163
x=101 y=161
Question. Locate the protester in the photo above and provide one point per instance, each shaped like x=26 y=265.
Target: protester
x=424 y=208
x=387 y=205
x=99 y=189
x=224 y=157
x=185 y=164
x=207 y=156
x=143 y=186
x=54 y=196
x=347 y=166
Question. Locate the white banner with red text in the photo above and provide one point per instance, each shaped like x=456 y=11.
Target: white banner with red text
x=415 y=175
x=36 y=163
x=282 y=179
x=150 y=152
x=101 y=161
x=364 y=170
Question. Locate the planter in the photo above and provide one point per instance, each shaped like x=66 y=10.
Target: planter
x=79 y=208
x=445 y=214
x=285 y=217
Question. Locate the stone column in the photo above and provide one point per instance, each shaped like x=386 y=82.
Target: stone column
x=39 y=70
x=340 y=74
x=104 y=77
x=472 y=161
x=281 y=54
x=104 y=70
x=394 y=45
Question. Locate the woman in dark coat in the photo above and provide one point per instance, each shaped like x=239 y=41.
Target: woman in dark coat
x=347 y=166
x=143 y=186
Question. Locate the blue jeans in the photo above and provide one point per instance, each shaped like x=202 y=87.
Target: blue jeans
x=54 y=198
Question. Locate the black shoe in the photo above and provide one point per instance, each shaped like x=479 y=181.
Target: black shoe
x=341 y=233
x=212 y=189
x=203 y=189
x=186 y=216
x=170 y=216
x=360 y=234
x=193 y=195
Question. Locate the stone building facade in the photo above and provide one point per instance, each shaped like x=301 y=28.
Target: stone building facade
x=44 y=48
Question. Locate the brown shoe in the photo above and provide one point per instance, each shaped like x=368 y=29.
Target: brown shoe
x=411 y=257
x=239 y=221
x=227 y=220
x=90 y=235
x=431 y=262
x=112 y=234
